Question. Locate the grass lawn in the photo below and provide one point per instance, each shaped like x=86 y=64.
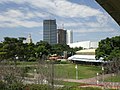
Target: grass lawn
x=69 y=71
x=115 y=78
x=26 y=63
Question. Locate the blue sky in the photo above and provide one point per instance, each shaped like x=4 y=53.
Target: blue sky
x=87 y=19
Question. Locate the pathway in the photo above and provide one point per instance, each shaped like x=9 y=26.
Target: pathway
x=97 y=81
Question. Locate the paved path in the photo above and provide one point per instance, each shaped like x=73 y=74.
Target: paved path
x=97 y=81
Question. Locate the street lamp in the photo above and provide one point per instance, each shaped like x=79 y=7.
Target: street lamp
x=16 y=58
x=76 y=67
x=97 y=78
x=103 y=76
x=103 y=73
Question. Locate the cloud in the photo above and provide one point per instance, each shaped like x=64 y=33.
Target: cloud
x=22 y=17
x=65 y=8
x=62 y=8
x=69 y=9
x=17 y=18
x=93 y=30
x=18 y=23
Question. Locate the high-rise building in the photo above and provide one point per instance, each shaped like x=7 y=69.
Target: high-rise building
x=61 y=36
x=69 y=36
x=50 y=31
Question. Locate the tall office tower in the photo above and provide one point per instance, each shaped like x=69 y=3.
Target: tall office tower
x=50 y=31
x=69 y=36
x=61 y=36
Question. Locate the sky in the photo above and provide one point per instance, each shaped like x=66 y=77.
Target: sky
x=86 y=18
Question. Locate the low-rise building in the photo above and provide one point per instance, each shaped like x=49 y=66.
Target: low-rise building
x=85 y=56
x=84 y=44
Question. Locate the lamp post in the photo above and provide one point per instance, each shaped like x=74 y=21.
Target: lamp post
x=52 y=75
x=103 y=73
x=16 y=58
x=97 y=78
x=35 y=75
x=103 y=76
x=76 y=67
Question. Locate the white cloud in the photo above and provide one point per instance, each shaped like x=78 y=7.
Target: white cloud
x=89 y=24
x=68 y=9
x=91 y=30
x=17 y=23
x=17 y=18
x=63 y=8
x=14 y=14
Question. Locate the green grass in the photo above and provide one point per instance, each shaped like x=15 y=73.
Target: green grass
x=115 y=78
x=66 y=71
x=65 y=83
x=69 y=71
x=26 y=63
x=18 y=63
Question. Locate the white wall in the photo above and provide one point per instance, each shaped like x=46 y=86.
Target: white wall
x=84 y=44
x=69 y=36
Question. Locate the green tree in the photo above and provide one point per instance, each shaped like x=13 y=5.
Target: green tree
x=30 y=52
x=12 y=48
x=109 y=50
x=42 y=49
x=108 y=47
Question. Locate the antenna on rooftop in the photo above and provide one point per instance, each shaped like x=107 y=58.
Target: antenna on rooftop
x=62 y=26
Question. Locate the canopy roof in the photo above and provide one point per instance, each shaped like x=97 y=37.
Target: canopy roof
x=85 y=58
x=112 y=7
x=86 y=52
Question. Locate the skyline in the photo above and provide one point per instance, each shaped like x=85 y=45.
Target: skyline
x=86 y=18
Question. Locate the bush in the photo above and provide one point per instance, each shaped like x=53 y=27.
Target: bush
x=2 y=85
x=37 y=87
x=13 y=86
x=79 y=88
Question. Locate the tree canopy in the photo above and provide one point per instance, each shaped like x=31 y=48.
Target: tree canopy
x=11 y=48
x=109 y=48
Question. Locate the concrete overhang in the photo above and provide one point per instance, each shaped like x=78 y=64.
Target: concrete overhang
x=112 y=7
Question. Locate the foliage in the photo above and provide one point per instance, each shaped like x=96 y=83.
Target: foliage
x=11 y=48
x=115 y=78
x=13 y=86
x=108 y=48
x=37 y=87
x=79 y=88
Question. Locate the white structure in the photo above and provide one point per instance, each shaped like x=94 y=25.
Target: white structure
x=29 y=39
x=86 y=56
x=69 y=36
x=84 y=44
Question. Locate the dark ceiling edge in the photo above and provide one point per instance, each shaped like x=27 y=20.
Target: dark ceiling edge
x=102 y=3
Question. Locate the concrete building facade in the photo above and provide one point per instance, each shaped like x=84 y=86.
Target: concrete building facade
x=69 y=36
x=62 y=36
x=84 y=44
